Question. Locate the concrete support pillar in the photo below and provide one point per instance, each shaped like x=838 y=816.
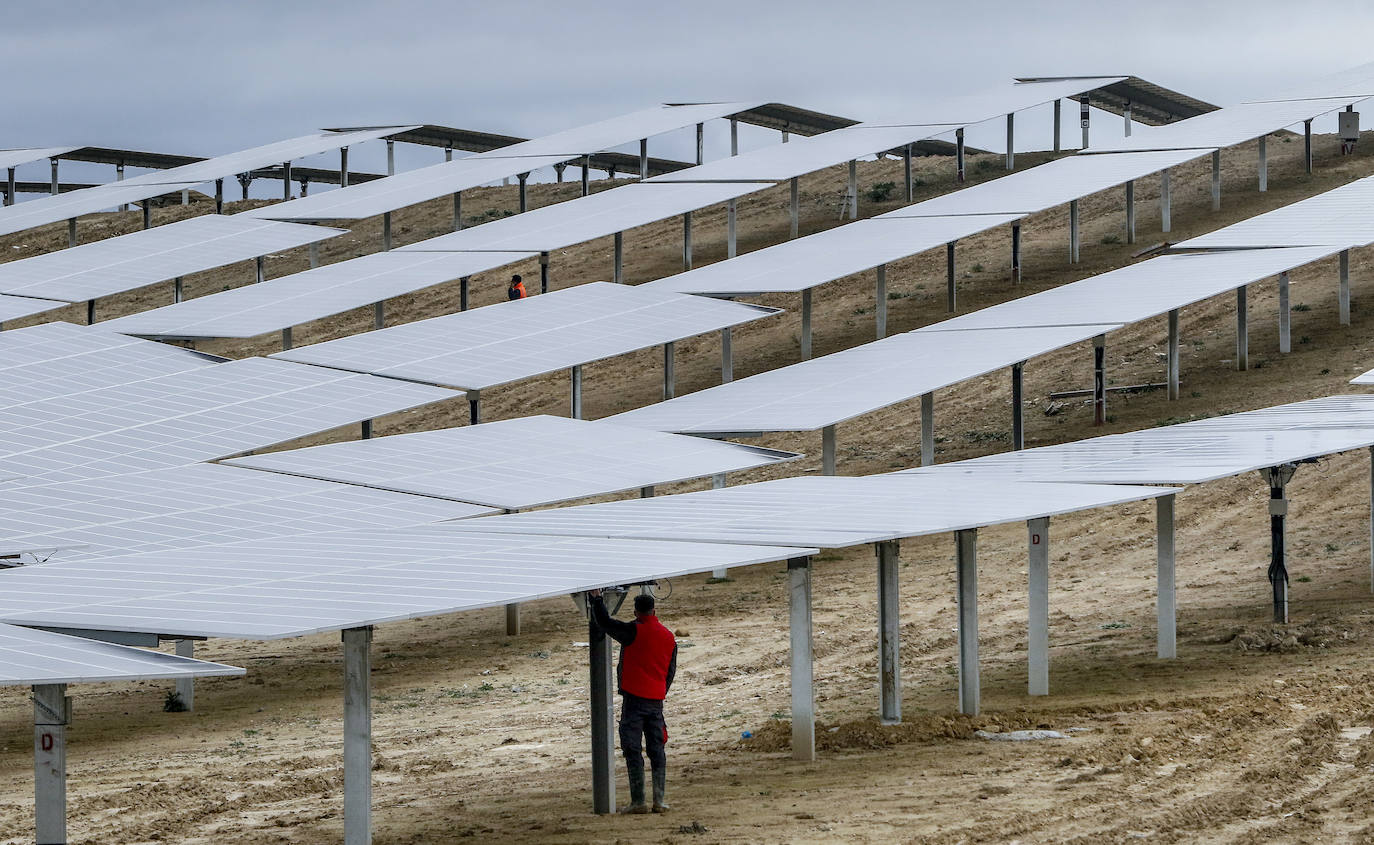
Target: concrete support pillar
x=1038 y=606
x=1073 y=231
x=1307 y=145
x=543 y=272
x=618 y=263
x=51 y=716
x=959 y=155
x=1058 y=114
x=343 y=167
x=687 y=240
x=828 y=450
x=1165 y=202
x=906 y=172
x=1011 y=141
x=727 y=363
x=357 y=648
x=1242 y=330
x=576 y=391
x=524 y=191
x=1173 y=355
x=669 y=371
x=853 y=197
x=602 y=694
x=966 y=574
x=795 y=208
x=1018 y=422
x=1100 y=380
x=186 y=687
x=1263 y=164
x=927 y=429
x=1130 y=212
x=1285 y=315
x=1166 y=607
x=806 y=325
x=950 y=295
x=889 y=633
x=643 y=158
x=803 y=688
x=1016 y=253
x=880 y=301
x=1344 y=294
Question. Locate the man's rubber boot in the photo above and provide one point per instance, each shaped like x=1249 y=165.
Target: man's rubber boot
x=660 y=786
x=636 y=805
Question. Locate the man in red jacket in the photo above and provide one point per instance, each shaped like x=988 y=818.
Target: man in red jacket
x=648 y=664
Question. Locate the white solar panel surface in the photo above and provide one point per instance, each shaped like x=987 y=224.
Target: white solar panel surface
x=369 y=199
x=196 y=505
x=833 y=388
x=586 y=218
x=1355 y=81
x=523 y=338
x=14 y=307
x=828 y=512
x=805 y=155
x=1138 y=291
x=1364 y=378
x=1340 y=217
x=621 y=129
x=1225 y=127
x=519 y=463
x=1048 y=185
x=190 y=417
x=326 y=582
x=293 y=300
x=807 y=262
x=101 y=268
x=40 y=657
x=14 y=158
x=26 y=215
x=980 y=106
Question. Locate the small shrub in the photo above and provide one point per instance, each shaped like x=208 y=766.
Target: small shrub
x=1325 y=372
x=881 y=192
x=1111 y=239
x=1304 y=339
x=978 y=268
x=984 y=165
x=173 y=703
x=1302 y=306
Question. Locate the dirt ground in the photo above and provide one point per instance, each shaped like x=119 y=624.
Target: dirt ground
x=1254 y=734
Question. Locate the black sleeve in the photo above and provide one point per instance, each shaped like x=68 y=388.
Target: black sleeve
x=621 y=632
x=672 y=670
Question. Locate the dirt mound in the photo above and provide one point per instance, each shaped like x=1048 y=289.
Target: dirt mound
x=1286 y=639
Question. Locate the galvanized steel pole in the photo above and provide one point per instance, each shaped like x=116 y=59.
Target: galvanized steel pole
x=1166 y=605
x=1038 y=606
x=357 y=644
x=966 y=573
x=889 y=633
x=802 y=667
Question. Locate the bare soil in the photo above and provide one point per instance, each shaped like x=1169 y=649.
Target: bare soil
x=1255 y=733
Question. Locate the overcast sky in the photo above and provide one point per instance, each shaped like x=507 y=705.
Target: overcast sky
x=209 y=77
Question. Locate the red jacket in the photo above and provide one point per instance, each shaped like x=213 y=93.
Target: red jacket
x=648 y=653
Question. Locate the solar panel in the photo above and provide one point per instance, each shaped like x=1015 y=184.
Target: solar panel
x=288 y=301
x=833 y=388
x=938 y=104
x=114 y=265
x=1048 y=185
x=807 y=262
x=586 y=218
x=195 y=505
x=29 y=657
x=70 y=204
x=14 y=307
x=523 y=338
x=1225 y=127
x=324 y=582
x=519 y=463
x=1354 y=81
x=604 y=134
x=190 y=417
x=1138 y=291
x=805 y=155
x=1364 y=378
x=14 y=158
x=1338 y=217
x=824 y=511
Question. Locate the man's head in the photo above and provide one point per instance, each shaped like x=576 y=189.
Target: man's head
x=515 y=280
x=644 y=605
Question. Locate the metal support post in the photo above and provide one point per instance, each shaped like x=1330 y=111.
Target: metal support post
x=53 y=188
x=1018 y=422
x=457 y=211
x=1038 y=606
x=463 y=293
x=186 y=687
x=1278 y=477
x=178 y=290
x=927 y=429
x=959 y=155
x=727 y=363
x=828 y=450
x=71 y=228
x=259 y=270
x=1073 y=231
x=513 y=619
x=52 y=712
x=1100 y=380
x=90 y=312
x=718 y=482
x=1371 y=519
x=643 y=158
x=1011 y=141
x=1166 y=603
x=543 y=272
x=1216 y=180
x=853 y=189
x=730 y=245
x=906 y=172
x=576 y=391
x=950 y=297
x=966 y=573
x=286 y=339
x=687 y=240
x=286 y=180
x=357 y=649
x=586 y=175
x=701 y=143
x=803 y=678
x=1165 y=202
x=386 y=231
x=618 y=264
x=219 y=196
x=1344 y=295
x=1058 y=113
x=9 y=186
x=669 y=371
x=119 y=177
x=1130 y=211
x=186 y=196
x=1083 y=102
x=785 y=136
x=390 y=157
x=474 y=407
x=806 y=325
x=524 y=191
x=1173 y=355
x=1126 y=113
x=365 y=430
x=314 y=255
x=1263 y=164
x=889 y=633
x=880 y=301
x=734 y=136
x=147 y=216
x=1307 y=145
x=379 y=314
x=1016 y=253
x=602 y=689
x=1242 y=330
x=1285 y=335
x=795 y=208
x=343 y=167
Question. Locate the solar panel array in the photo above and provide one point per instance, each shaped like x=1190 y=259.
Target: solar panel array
x=518 y=463
x=1226 y=127
x=29 y=657
x=1337 y=217
x=523 y=338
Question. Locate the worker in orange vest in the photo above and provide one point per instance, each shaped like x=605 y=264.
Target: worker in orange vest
x=648 y=664
x=516 y=289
